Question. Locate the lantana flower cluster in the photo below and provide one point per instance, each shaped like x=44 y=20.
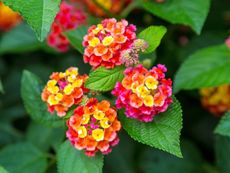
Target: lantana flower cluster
x=8 y=18
x=216 y=99
x=64 y=90
x=94 y=127
x=68 y=18
x=143 y=93
x=105 y=42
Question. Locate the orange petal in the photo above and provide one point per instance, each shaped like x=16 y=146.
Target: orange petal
x=100 y=50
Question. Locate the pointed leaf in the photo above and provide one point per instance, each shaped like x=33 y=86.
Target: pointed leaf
x=39 y=14
x=103 y=79
x=223 y=128
x=71 y=160
x=192 y=13
x=76 y=37
x=162 y=133
x=153 y=35
x=206 y=68
x=31 y=88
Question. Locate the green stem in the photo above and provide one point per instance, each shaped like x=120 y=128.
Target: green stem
x=129 y=8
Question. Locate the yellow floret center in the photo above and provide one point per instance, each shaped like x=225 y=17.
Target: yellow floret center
x=148 y=100
x=105 y=123
x=151 y=83
x=94 y=42
x=99 y=115
x=68 y=89
x=107 y=40
x=82 y=132
x=98 y=134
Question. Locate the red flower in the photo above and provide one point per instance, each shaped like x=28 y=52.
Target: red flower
x=68 y=18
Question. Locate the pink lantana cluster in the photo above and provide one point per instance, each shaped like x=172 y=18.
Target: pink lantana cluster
x=68 y=18
x=227 y=42
x=105 y=42
x=144 y=93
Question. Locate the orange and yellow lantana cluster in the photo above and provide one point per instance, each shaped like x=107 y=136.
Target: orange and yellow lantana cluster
x=216 y=99
x=64 y=90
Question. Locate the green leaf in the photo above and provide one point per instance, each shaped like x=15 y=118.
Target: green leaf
x=20 y=39
x=103 y=79
x=162 y=133
x=206 y=68
x=192 y=13
x=155 y=161
x=153 y=36
x=71 y=160
x=223 y=128
x=1 y=87
x=76 y=37
x=31 y=89
x=38 y=14
x=23 y=158
x=222 y=148
x=44 y=137
x=2 y=170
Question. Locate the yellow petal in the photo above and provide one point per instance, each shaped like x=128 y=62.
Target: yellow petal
x=94 y=42
x=52 y=101
x=51 y=83
x=148 y=101
x=105 y=123
x=82 y=132
x=68 y=89
x=85 y=119
x=98 y=134
x=151 y=82
x=107 y=40
x=99 y=115
x=78 y=83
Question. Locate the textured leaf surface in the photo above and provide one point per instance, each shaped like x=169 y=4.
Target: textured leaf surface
x=192 y=13
x=76 y=37
x=155 y=161
x=222 y=153
x=153 y=36
x=223 y=128
x=71 y=160
x=162 y=133
x=38 y=14
x=205 y=68
x=23 y=158
x=103 y=79
x=31 y=89
x=20 y=39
